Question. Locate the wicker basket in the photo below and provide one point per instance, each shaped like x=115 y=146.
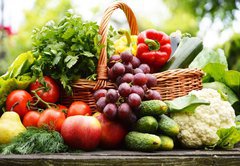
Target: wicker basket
x=171 y=83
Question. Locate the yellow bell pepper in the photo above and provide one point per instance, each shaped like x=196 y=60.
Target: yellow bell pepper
x=126 y=42
x=10 y=126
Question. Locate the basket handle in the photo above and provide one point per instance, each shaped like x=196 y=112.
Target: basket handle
x=103 y=29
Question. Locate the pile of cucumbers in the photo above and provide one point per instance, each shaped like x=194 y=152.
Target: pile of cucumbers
x=154 y=130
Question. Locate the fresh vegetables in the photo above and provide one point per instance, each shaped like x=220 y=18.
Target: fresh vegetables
x=199 y=128
x=188 y=49
x=126 y=43
x=153 y=108
x=142 y=141
x=10 y=126
x=35 y=140
x=31 y=118
x=19 y=101
x=79 y=108
x=67 y=50
x=215 y=66
x=168 y=126
x=153 y=48
x=52 y=119
x=20 y=66
x=18 y=76
x=47 y=89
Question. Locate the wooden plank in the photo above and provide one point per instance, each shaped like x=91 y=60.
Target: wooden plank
x=172 y=158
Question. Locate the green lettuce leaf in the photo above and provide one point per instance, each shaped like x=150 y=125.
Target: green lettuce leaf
x=228 y=137
x=218 y=72
x=186 y=103
x=207 y=56
x=21 y=65
x=8 y=85
x=223 y=89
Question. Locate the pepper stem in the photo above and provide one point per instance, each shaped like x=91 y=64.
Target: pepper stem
x=127 y=34
x=152 y=44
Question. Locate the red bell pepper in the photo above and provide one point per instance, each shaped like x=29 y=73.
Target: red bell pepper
x=154 y=48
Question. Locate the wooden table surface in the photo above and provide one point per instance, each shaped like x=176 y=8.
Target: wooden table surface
x=172 y=158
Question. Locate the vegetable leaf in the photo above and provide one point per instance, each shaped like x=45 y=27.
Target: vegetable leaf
x=20 y=65
x=67 y=50
x=35 y=140
x=207 y=56
x=186 y=103
x=228 y=137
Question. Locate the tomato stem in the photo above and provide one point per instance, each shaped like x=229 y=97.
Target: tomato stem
x=39 y=99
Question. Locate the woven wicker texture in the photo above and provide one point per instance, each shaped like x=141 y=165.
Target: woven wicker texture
x=171 y=83
x=178 y=82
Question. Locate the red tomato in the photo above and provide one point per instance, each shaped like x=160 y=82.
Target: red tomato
x=79 y=108
x=51 y=118
x=18 y=101
x=62 y=108
x=51 y=94
x=31 y=118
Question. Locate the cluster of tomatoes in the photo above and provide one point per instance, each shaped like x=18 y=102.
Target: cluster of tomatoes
x=37 y=106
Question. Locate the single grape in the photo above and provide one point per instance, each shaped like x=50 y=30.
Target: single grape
x=128 y=67
x=118 y=69
x=134 y=100
x=152 y=95
x=128 y=77
x=99 y=93
x=124 y=110
x=112 y=96
x=151 y=80
x=101 y=103
x=126 y=56
x=110 y=111
x=135 y=62
x=138 y=90
x=124 y=89
x=145 y=68
x=137 y=70
x=111 y=75
x=113 y=59
x=156 y=95
x=119 y=80
x=139 y=79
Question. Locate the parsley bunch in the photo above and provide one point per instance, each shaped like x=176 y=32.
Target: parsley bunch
x=67 y=50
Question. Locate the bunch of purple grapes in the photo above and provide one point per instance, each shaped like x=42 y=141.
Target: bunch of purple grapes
x=134 y=82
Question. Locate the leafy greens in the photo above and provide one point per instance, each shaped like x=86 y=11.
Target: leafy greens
x=35 y=140
x=67 y=50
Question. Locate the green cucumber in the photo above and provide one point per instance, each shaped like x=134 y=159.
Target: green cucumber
x=146 y=124
x=168 y=126
x=166 y=143
x=142 y=141
x=153 y=108
x=187 y=50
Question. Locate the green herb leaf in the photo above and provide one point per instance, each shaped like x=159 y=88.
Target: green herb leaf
x=35 y=140
x=67 y=49
x=186 y=103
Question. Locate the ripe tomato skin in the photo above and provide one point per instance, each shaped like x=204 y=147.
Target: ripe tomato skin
x=79 y=108
x=53 y=93
x=51 y=118
x=18 y=99
x=62 y=108
x=31 y=118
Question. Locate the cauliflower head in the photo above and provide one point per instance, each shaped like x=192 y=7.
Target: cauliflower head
x=200 y=128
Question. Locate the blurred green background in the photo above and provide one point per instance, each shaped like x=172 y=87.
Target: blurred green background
x=217 y=22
